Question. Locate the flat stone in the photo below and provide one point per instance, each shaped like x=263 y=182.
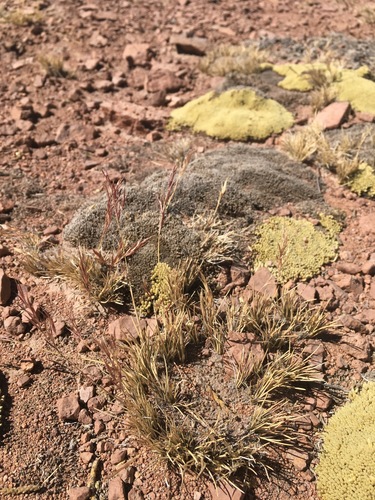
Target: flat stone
x=80 y=493
x=349 y=267
x=300 y=459
x=225 y=492
x=195 y=46
x=306 y=292
x=333 y=115
x=263 y=281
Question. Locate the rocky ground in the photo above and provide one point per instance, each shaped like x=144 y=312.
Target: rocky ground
x=87 y=88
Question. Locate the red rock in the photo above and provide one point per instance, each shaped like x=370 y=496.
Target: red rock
x=300 y=459
x=357 y=346
x=349 y=283
x=116 y=490
x=189 y=45
x=137 y=54
x=124 y=328
x=103 y=85
x=163 y=80
x=84 y=417
x=118 y=456
x=14 y=326
x=128 y=475
x=92 y=63
x=368 y=267
x=135 y=494
x=264 y=282
x=80 y=493
x=96 y=403
x=366 y=223
x=333 y=115
x=365 y=117
x=24 y=381
x=98 y=40
x=348 y=267
x=86 y=457
x=5 y=288
x=99 y=427
x=86 y=393
x=367 y=316
x=352 y=323
x=306 y=292
x=323 y=402
x=325 y=293
x=225 y=492
x=68 y=407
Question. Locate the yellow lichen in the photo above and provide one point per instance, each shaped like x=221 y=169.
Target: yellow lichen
x=237 y=114
x=346 y=470
x=292 y=248
x=348 y=84
x=159 y=297
x=363 y=181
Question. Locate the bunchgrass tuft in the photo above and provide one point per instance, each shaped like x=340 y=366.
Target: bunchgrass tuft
x=215 y=417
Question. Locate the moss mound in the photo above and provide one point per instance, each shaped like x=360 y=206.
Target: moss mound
x=237 y=114
x=293 y=248
x=347 y=462
x=350 y=85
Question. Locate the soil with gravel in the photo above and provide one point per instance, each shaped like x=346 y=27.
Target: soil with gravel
x=88 y=87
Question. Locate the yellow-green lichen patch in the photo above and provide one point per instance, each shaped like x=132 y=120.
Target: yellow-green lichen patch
x=363 y=181
x=349 y=85
x=359 y=91
x=237 y=114
x=159 y=298
x=292 y=248
x=347 y=463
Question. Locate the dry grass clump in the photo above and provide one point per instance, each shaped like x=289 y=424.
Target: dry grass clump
x=54 y=66
x=342 y=156
x=226 y=59
x=302 y=143
x=322 y=96
x=368 y=14
x=201 y=410
x=20 y=17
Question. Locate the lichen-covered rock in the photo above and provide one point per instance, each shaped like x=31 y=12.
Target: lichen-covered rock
x=347 y=463
x=363 y=181
x=350 y=84
x=292 y=248
x=238 y=114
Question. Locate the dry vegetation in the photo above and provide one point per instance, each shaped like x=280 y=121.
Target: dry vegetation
x=342 y=157
x=203 y=407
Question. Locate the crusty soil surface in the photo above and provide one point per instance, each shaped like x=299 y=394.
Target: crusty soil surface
x=106 y=109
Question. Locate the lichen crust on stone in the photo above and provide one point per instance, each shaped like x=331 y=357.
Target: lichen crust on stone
x=346 y=469
x=363 y=181
x=238 y=114
x=294 y=248
x=351 y=85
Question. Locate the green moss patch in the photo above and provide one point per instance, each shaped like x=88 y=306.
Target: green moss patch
x=292 y=248
x=347 y=462
x=237 y=114
x=363 y=181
